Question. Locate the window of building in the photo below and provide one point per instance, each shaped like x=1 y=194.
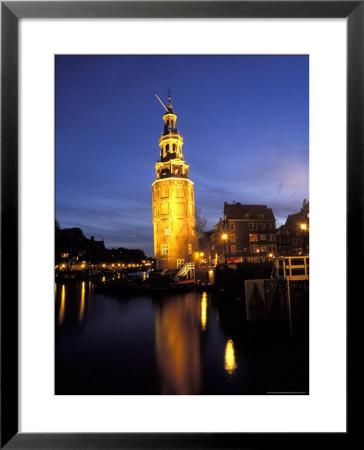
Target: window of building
x=180 y=192
x=164 y=191
x=271 y=248
x=164 y=249
x=263 y=248
x=232 y=226
x=253 y=226
x=260 y=216
x=253 y=237
x=263 y=237
x=165 y=208
x=233 y=249
x=167 y=231
x=254 y=248
x=246 y=216
x=232 y=238
x=262 y=226
x=180 y=262
x=189 y=249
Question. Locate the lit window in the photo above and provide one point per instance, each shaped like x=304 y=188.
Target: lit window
x=246 y=216
x=164 y=249
x=233 y=249
x=180 y=262
x=253 y=237
x=232 y=226
x=190 y=249
x=232 y=237
x=167 y=231
x=263 y=248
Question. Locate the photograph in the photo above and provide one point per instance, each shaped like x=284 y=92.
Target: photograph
x=181 y=224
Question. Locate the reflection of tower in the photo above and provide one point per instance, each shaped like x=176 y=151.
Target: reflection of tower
x=178 y=345
x=175 y=237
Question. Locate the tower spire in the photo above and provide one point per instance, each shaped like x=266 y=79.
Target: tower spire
x=169 y=105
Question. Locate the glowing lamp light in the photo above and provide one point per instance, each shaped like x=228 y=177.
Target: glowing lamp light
x=303 y=226
x=230 y=362
x=224 y=236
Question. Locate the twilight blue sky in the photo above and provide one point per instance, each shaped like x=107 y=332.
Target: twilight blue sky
x=244 y=120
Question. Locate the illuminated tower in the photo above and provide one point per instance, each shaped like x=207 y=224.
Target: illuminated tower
x=175 y=239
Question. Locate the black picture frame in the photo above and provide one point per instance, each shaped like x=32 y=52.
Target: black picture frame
x=11 y=12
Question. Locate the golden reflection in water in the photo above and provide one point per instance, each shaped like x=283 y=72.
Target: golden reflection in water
x=178 y=345
x=204 y=311
x=63 y=305
x=82 y=304
x=230 y=363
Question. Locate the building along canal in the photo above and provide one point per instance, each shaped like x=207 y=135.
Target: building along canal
x=195 y=342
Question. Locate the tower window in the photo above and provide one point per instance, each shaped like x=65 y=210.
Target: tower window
x=164 y=249
x=232 y=226
x=167 y=148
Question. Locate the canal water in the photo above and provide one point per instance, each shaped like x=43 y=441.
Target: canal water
x=190 y=343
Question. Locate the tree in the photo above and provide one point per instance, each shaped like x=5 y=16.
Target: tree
x=200 y=223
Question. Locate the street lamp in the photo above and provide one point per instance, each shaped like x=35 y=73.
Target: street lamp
x=224 y=238
x=304 y=236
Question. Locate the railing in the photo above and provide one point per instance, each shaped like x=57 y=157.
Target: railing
x=291 y=268
x=186 y=269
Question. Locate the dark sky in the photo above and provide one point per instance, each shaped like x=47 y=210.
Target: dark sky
x=244 y=120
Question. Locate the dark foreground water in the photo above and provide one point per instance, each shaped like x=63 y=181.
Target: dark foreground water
x=191 y=343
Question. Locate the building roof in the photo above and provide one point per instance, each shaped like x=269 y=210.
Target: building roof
x=294 y=220
x=239 y=211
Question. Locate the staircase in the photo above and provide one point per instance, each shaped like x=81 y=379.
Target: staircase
x=188 y=270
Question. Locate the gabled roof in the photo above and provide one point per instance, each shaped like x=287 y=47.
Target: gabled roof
x=239 y=211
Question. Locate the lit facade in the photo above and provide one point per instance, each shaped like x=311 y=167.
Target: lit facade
x=175 y=238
